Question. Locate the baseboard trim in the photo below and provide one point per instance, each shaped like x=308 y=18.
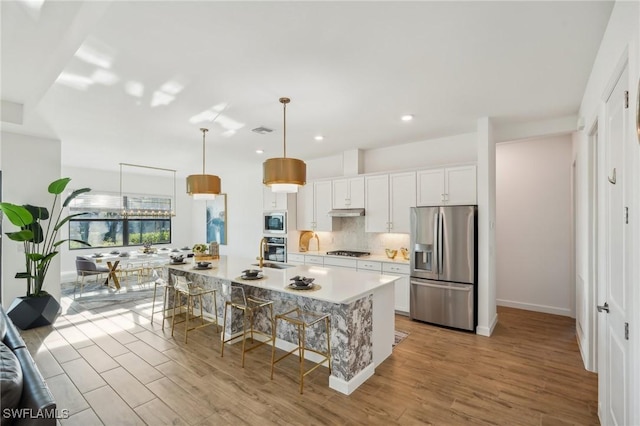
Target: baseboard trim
x=347 y=387
x=487 y=331
x=565 y=312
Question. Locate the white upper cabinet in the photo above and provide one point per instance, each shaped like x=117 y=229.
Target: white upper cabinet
x=348 y=193
x=313 y=205
x=273 y=200
x=402 y=196
x=449 y=186
x=376 y=217
x=388 y=199
x=460 y=183
x=305 y=210
x=322 y=199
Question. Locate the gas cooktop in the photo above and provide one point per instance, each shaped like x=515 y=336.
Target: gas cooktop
x=349 y=253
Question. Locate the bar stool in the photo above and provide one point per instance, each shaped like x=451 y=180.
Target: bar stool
x=303 y=320
x=167 y=287
x=249 y=307
x=184 y=287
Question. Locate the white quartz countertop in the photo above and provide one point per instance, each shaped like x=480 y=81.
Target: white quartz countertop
x=336 y=285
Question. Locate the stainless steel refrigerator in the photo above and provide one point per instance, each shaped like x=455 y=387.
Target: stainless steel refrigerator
x=444 y=266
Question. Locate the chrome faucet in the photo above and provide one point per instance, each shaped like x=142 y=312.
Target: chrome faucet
x=263 y=247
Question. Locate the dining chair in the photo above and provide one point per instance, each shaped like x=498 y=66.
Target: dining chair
x=86 y=267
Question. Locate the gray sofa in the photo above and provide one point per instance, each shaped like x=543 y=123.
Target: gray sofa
x=35 y=405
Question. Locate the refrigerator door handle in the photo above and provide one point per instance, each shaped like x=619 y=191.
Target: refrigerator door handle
x=436 y=244
x=466 y=288
x=440 y=243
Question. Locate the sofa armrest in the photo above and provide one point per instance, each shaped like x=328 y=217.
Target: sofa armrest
x=35 y=392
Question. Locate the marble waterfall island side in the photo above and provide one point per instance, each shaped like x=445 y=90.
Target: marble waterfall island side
x=361 y=306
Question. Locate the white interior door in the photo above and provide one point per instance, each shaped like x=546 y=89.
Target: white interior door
x=614 y=361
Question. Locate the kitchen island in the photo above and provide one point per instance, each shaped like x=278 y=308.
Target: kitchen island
x=361 y=306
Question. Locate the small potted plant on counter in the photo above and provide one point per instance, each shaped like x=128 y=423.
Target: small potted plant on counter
x=199 y=251
x=38 y=308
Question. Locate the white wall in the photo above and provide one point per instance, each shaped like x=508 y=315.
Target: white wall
x=156 y=183
x=533 y=231
x=457 y=149
x=244 y=208
x=29 y=164
x=244 y=212
x=429 y=153
x=486 y=182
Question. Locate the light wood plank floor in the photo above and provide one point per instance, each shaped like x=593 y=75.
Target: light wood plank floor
x=112 y=366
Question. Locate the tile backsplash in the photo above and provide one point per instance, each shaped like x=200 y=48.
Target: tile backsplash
x=349 y=234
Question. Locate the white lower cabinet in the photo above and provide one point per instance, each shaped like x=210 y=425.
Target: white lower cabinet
x=401 y=285
x=369 y=265
x=335 y=262
x=313 y=260
x=295 y=259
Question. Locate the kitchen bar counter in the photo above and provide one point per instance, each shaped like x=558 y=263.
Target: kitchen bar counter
x=336 y=285
x=375 y=257
x=361 y=305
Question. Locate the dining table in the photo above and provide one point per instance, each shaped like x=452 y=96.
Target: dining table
x=135 y=258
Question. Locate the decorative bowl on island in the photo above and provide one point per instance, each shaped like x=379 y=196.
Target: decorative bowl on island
x=251 y=273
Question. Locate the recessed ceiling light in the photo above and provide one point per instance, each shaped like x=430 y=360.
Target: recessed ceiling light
x=259 y=151
x=407 y=117
x=319 y=138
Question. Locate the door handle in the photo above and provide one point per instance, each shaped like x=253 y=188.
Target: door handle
x=604 y=307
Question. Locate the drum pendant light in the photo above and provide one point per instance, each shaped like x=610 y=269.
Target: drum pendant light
x=284 y=174
x=203 y=187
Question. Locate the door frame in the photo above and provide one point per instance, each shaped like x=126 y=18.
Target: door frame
x=627 y=63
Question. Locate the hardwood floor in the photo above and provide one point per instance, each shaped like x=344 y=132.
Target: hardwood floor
x=111 y=366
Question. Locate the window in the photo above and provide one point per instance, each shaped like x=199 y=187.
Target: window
x=114 y=221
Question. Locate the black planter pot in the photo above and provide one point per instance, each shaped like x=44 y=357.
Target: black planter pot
x=33 y=311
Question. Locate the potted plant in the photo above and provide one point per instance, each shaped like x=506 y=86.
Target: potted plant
x=199 y=252
x=40 y=243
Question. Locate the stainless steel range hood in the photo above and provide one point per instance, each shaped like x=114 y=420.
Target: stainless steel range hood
x=346 y=212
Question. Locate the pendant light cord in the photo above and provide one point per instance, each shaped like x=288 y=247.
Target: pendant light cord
x=285 y=129
x=284 y=102
x=204 y=132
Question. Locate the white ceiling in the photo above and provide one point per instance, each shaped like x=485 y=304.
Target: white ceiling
x=127 y=81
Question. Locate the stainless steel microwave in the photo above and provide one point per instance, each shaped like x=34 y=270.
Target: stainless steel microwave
x=275 y=223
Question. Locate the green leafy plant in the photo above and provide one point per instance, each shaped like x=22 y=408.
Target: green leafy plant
x=40 y=246
x=199 y=248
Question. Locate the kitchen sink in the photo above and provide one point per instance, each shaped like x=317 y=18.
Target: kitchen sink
x=274 y=265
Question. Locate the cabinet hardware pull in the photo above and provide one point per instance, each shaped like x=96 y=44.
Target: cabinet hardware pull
x=612 y=180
